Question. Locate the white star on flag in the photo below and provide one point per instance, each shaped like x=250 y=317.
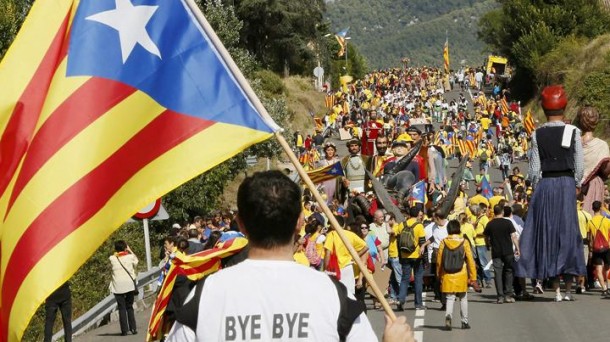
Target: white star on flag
x=130 y=21
x=416 y=190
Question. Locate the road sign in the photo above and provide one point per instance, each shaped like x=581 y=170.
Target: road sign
x=149 y=211
x=318 y=71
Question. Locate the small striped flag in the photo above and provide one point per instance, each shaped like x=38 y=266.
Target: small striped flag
x=529 y=123
x=194 y=267
x=504 y=106
x=446 y=56
x=329 y=101
x=325 y=173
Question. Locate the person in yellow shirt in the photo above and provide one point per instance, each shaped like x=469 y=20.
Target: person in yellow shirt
x=496 y=198
x=334 y=244
x=467 y=229
x=412 y=261
x=393 y=262
x=299 y=252
x=481 y=220
x=479 y=198
x=599 y=228
x=583 y=223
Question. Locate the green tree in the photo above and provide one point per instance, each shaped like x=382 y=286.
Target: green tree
x=12 y=14
x=525 y=31
x=280 y=32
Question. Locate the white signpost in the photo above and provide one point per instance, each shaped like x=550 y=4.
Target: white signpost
x=153 y=211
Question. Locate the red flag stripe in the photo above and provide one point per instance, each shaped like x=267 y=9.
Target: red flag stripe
x=91 y=100
x=86 y=197
x=21 y=125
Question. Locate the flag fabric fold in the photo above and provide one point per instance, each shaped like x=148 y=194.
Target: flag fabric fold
x=194 y=267
x=487 y=191
x=418 y=193
x=107 y=105
x=325 y=173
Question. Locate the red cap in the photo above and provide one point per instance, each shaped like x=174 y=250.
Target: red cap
x=553 y=98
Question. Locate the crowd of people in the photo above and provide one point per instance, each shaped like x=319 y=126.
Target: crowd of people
x=509 y=231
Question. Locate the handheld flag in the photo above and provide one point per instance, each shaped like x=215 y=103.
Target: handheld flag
x=529 y=123
x=194 y=267
x=446 y=55
x=487 y=191
x=325 y=173
x=341 y=39
x=504 y=106
x=418 y=193
x=106 y=105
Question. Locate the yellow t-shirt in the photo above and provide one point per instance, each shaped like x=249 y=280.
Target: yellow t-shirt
x=583 y=222
x=301 y=258
x=479 y=239
x=598 y=223
x=478 y=199
x=485 y=122
x=333 y=241
x=494 y=200
x=468 y=230
x=393 y=246
x=418 y=232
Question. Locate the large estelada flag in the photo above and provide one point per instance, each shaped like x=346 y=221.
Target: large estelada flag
x=325 y=173
x=106 y=105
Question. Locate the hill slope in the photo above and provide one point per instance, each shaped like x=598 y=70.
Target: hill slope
x=387 y=30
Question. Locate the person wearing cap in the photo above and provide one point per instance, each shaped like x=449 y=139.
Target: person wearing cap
x=372 y=129
x=416 y=135
x=330 y=158
x=354 y=166
x=551 y=243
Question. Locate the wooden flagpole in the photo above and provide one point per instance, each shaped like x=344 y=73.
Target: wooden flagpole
x=241 y=80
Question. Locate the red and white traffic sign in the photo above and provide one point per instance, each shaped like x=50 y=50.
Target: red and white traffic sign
x=149 y=211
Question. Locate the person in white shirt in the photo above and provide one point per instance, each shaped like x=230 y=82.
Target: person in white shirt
x=269 y=296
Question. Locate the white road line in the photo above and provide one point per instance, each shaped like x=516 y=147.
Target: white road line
x=419 y=336
x=418 y=322
x=420 y=313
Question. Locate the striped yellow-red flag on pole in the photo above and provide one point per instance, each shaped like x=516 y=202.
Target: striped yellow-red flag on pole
x=446 y=55
x=194 y=267
x=504 y=106
x=529 y=123
x=106 y=105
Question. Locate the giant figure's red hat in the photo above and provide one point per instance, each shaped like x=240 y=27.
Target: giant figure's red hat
x=553 y=98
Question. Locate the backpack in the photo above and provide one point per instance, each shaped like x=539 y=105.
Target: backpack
x=312 y=253
x=600 y=244
x=484 y=156
x=406 y=239
x=453 y=259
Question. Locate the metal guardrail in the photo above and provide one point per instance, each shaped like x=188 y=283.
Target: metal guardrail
x=106 y=306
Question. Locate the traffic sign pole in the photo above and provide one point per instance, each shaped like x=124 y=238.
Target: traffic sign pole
x=147 y=244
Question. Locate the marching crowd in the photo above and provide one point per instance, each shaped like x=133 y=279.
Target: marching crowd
x=436 y=237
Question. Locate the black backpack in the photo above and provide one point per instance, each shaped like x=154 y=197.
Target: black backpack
x=406 y=239
x=453 y=259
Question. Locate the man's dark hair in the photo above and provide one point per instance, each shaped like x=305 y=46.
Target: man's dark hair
x=120 y=245
x=269 y=205
x=197 y=218
x=498 y=209
x=508 y=211
x=414 y=211
x=193 y=233
x=453 y=227
x=596 y=206
x=440 y=215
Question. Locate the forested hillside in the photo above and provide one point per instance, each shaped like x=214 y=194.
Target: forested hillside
x=387 y=30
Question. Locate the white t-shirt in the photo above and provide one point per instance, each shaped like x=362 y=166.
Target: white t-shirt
x=268 y=300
